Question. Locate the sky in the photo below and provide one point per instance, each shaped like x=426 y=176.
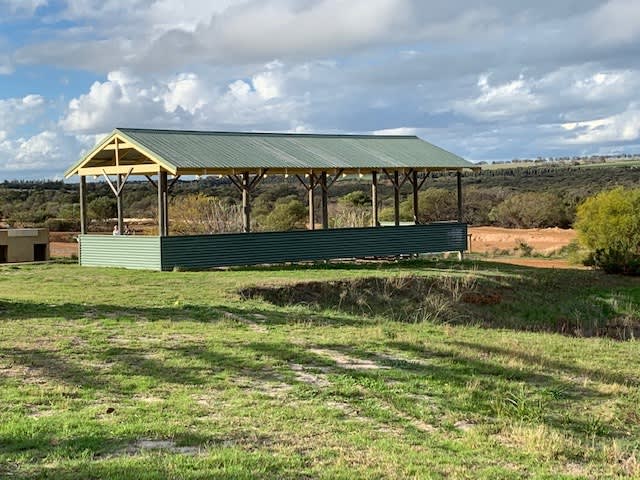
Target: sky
x=488 y=80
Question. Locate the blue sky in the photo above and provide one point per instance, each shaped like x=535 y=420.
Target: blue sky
x=490 y=80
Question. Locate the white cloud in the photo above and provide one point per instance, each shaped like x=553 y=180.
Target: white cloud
x=20 y=111
x=606 y=85
x=621 y=127
x=43 y=151
x=188 y=100
x=186 y=91
x=510 y=99
x=397 y=131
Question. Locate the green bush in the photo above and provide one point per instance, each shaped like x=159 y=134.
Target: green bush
x=608 y=225
x=531 y=210
x=288 y=213
x=62 y=225
x=103 y=208
x=434 y=204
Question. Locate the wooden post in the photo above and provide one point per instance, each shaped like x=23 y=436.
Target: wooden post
x=325 y=200
x=396 y=198
x=83 y=205
x=162 y=216
x=374 y=199
x=414 y=183
x=312 y=202
x=459 y=181
x=246 y=206
x=165 y=197
x=119 y=204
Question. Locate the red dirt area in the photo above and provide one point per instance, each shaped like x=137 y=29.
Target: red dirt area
x=63 y=244
x=503 y=240
x=542 y=240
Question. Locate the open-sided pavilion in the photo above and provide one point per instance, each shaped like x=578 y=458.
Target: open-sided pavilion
x=317 y=161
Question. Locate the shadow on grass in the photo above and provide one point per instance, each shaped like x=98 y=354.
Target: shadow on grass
x=548 y=363
x=12 y=310
x=442 y=370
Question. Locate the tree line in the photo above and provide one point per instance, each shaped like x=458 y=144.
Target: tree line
x=525 y=197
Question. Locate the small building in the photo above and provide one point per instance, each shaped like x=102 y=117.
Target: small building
x=24 y=245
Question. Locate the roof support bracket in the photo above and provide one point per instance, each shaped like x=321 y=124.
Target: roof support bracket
x=397 y=184
x=155 y=185
x=117 y=190
x=173 y=182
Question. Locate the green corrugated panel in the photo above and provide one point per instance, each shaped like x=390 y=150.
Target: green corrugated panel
x=185 y=149
x=203 y=251
x=128 y=251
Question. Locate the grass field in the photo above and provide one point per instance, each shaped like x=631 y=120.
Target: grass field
x=401 y=370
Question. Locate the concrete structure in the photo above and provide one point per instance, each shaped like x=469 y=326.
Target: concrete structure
x=24 y=245
x=317 y=161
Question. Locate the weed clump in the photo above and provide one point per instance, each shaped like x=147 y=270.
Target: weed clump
x=411 y=298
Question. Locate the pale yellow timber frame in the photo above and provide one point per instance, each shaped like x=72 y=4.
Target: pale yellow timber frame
x=122 y=147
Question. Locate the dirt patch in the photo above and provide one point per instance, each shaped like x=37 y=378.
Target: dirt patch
x=347 y=362
x=168 y=445
x=539 y=262
x=61 y=249
x=542 y=240
x=303 y=375
x=256 y=327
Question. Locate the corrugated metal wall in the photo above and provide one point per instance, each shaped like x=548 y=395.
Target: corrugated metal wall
x=127 y=251
x=203 y=251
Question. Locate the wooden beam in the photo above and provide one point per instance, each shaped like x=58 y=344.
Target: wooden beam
x=173 y=182
x=396 y=199
x=118 y=146
x=258 y=178
x=120 y=184
x=423 y=180
x=311 y=197
x=335 y=177
x=113 y=188
x=459 y=182
x=145 y=169
x=246 y=203
x=155 y=185
x=83 y=205
x=374 y=199
x=236 y=181
x=325 y=200
x=414 y=185
x=162 y=186
x=115 y=143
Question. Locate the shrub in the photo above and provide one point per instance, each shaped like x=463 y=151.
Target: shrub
x=434 y=204
x=531 y=210
x=200 y=214
x=62 y=225
x=103 y=208
x=288 y=213
x=351 y=211
x=608 y=225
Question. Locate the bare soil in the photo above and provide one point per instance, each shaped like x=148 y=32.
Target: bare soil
x=542 y=240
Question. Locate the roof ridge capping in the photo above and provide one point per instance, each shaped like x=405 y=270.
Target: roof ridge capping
x=261 y=134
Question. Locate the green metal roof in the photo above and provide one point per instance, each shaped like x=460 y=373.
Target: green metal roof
x=236 y=150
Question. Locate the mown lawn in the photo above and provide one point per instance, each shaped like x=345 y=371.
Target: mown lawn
x=108 y=373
